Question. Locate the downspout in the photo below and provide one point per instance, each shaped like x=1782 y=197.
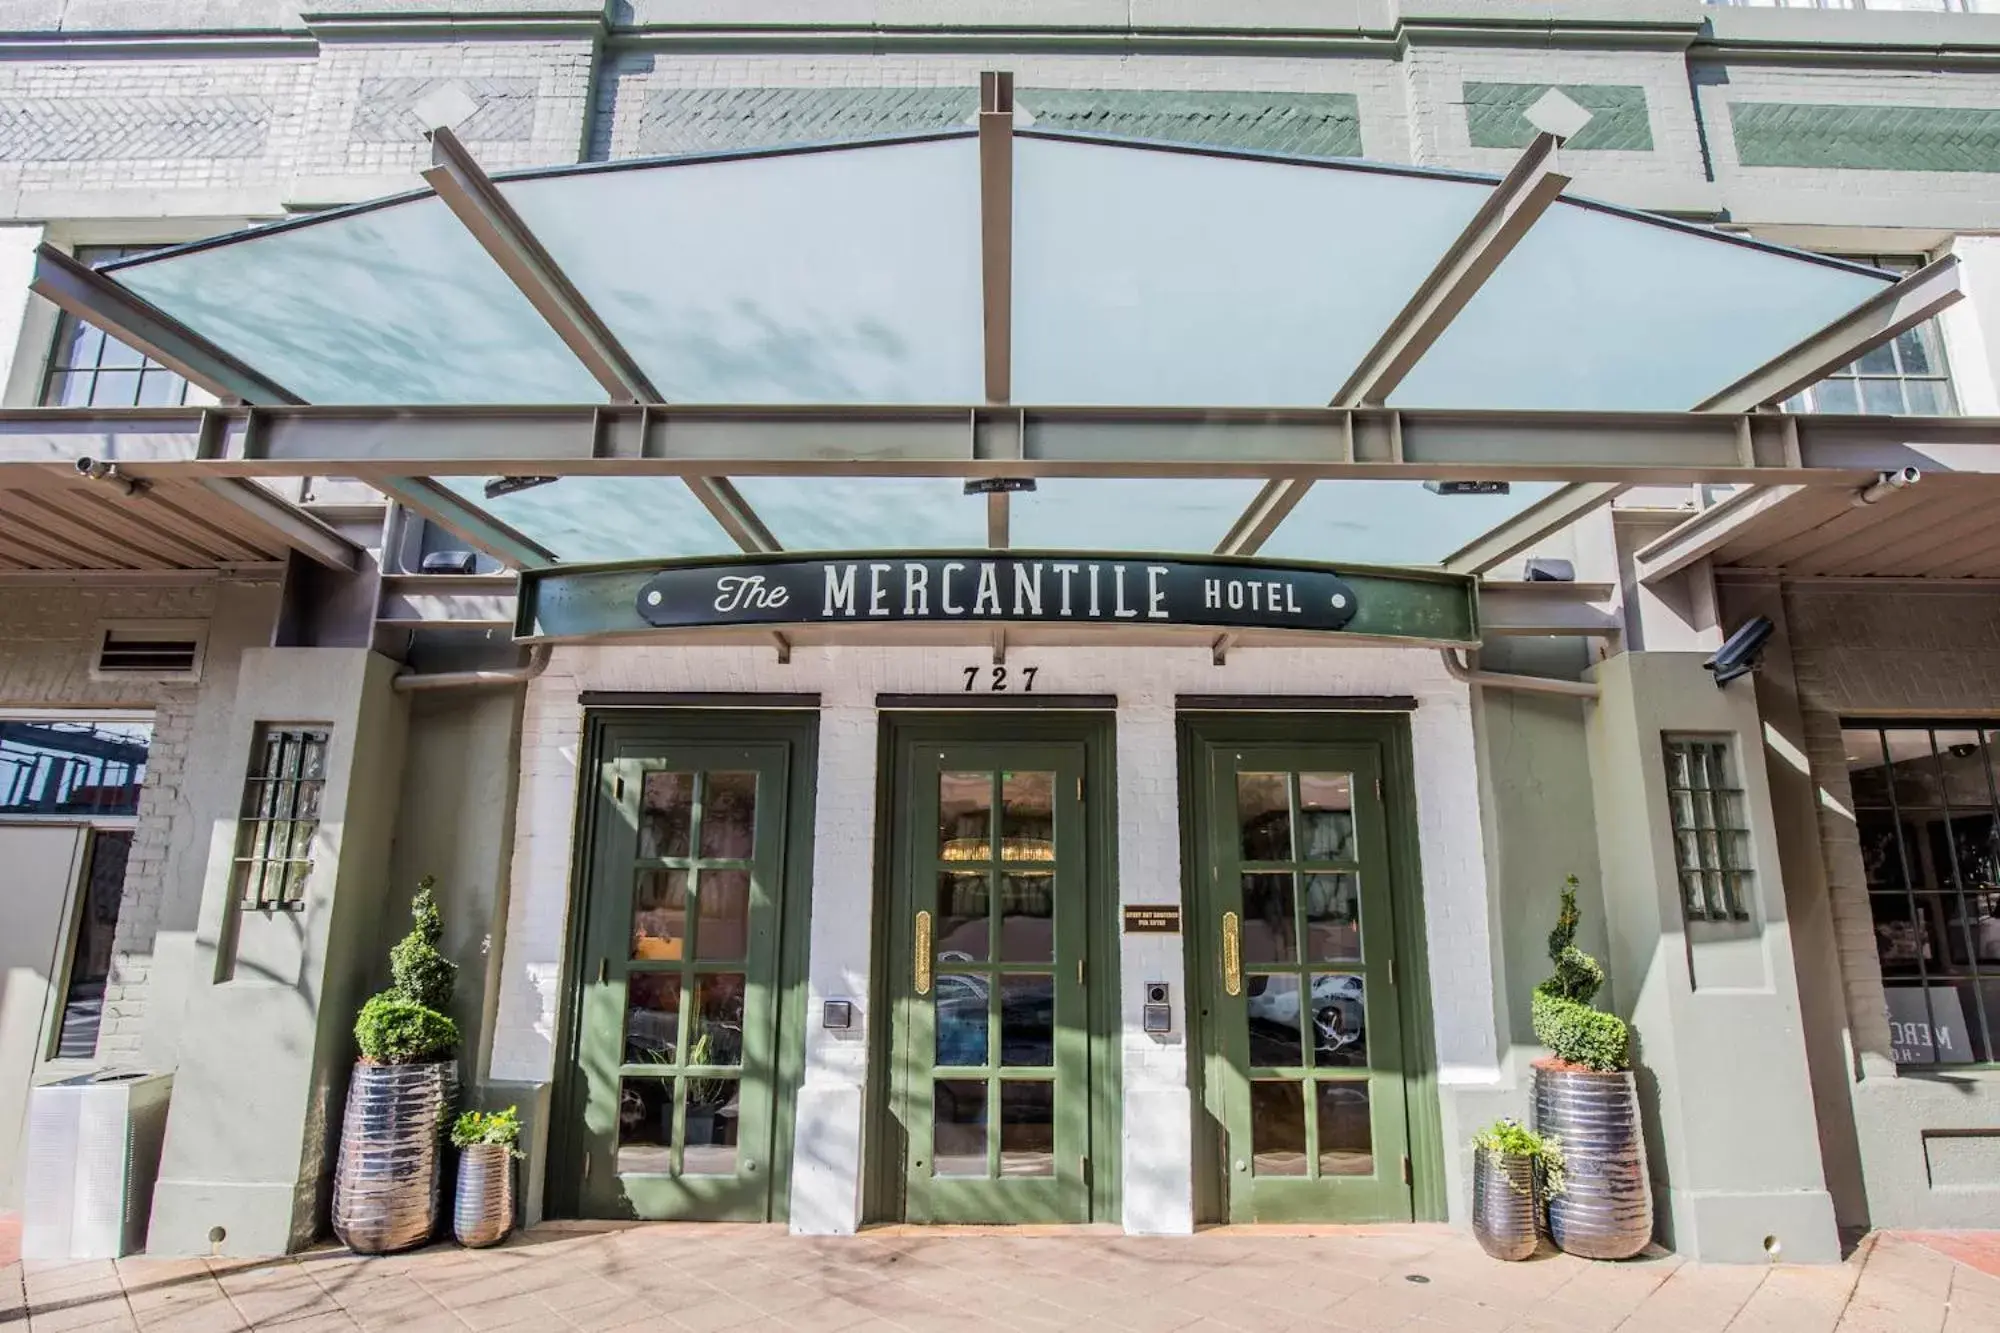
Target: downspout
x=538 y=662
x=1498 y=680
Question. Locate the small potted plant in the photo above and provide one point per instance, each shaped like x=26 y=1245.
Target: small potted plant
x=1513 y=1169
x=1585 y=1097
x=385 y=1183
x=482 y=1213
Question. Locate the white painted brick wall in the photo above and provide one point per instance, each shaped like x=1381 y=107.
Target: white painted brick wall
x=1158 y=1184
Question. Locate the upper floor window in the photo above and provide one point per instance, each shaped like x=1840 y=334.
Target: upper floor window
x=92 y=369
x=1904 y=377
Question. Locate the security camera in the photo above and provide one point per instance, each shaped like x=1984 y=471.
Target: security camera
x=1738 y=656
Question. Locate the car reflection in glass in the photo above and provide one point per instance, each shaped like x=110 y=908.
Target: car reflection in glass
x=1339 y=1022
x=1027 y=1017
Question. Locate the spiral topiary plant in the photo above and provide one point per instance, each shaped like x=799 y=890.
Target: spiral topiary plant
x=404 y=1025
x=1564 y=1020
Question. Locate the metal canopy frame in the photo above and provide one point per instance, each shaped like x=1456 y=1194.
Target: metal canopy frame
x=399 y=449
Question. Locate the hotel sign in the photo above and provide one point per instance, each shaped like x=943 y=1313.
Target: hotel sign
x=1082 y=589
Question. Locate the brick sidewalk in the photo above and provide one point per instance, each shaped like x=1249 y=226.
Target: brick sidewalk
x=707 y=1278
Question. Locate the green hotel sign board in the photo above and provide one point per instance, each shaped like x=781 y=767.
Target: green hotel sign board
x=994 y=588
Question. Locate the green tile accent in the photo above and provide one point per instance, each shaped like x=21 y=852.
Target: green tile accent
x=702 y=120
x=1866 y=138
x=1496 y=114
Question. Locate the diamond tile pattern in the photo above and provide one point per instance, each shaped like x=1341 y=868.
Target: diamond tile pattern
x=704 y=1279
x=387 y=110
x=1866 y=138
x=1495 y=115
x=69 y=129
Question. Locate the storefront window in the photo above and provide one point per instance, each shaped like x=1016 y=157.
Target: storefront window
x=1927 y=808
x=71 y=769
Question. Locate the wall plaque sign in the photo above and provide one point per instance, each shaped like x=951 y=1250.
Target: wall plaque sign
x=1152 y=918
x=1091 y=589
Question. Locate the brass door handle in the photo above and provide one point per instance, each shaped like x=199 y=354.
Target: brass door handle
x=1232 y=954
x=922 y=964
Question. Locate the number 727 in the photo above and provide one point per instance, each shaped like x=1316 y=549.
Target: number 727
x=998 y=679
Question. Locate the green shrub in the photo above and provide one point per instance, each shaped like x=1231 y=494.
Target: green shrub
x=395 y=1030
x=480 y=1127
x=1511 y=1138
x=1564 y=1021
x=419 y=971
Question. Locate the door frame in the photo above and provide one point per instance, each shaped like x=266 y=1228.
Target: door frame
x=885 y=1152
x=1198 y=731
x=603 y=729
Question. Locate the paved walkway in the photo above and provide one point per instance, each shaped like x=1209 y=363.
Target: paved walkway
x=708 y=1278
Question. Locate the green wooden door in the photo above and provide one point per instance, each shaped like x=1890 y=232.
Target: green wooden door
x=1304 y=1068
x=678 y=1021
x=991 y=1044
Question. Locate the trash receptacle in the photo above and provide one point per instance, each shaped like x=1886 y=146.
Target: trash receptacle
x=93 y=1155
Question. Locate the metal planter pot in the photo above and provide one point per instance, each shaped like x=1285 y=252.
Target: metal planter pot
x=483 y=1210
x=1606 y=1208
x=385 y=1182
x=1503 y=1205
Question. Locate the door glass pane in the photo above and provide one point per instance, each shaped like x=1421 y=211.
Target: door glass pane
x=1027 y=816
x=1326 y=816
x=1273 y=1010
x=965 y=816
x=1270 y=932
x=1346 y=1139
x=712 y=1114
x=961 y=915
x=1027 y=1020
x=1027 y=1128
x=729 y=816
x=659 y=914
x=724 y=901
x=1277 y=1128
x=1333 y=917
x=961 y=1006
x=715 y=1036
x=1340 y=1021
x=958 y=1127
x=652 y=1017
x=645 y=1126
x=666 y=814
x=1027 y=916
x=1264 y=816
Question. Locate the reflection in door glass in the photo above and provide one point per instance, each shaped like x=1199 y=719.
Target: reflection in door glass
x=712 y=1114
x=1326 y=816
x=1346 y=1138
x=1277 y=1128
x=1340 y=1021
x=1027 y=816
x=958 y=1127
x=715 y=1033
x=728 y=816
x=1333 y=917
x=652 y=1017
x=961 y=1005
x=724 y=899
x=659 y=915
x=1027 y=916
x=1027 y=1128
x=666 y=814
x=1276 y=1040
x=1027 y=1020
x=645 y=1126
x=965 y=814
x=1270 y=932
x=961 y=915
x=1264 y=816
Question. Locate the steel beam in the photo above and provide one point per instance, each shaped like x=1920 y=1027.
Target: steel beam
x=996 y=229
x=728 y=507
x=91 y=296
x=470 y=194
x=301 y=531
x=467 y=522
x=1708 y=531
x=1510 y=608
x=1517 y=534
x=1875 y=321
x=447 y=601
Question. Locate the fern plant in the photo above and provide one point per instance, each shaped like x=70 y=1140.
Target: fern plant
x=1563 y=1017
x=1511 y=1138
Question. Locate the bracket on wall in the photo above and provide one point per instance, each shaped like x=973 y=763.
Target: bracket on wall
x=999 y=647
x=784 y=647
x=1219 y=650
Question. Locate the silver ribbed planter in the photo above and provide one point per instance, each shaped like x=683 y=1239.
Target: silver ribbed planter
x=1606 y=1208
x=1503 y=1204
x=385 y=1181
x=482 y=1212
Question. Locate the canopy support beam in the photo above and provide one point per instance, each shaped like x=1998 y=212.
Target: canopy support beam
x=468 y=523
x=1552 y=512
x=90 y=296
x=1511 y=208
x=301 y=531
x=996 y=261
x=1890 y=312
x=728 y=507
x=1708 y=531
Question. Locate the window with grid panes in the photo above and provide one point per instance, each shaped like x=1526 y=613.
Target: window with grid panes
x=89 y=368
x=281 y=799
x=1711 y=837
x=1906 y=376
x=1928 y=819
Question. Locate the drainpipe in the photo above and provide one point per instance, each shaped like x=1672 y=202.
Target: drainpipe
x=538 y=662
x=1498 y=680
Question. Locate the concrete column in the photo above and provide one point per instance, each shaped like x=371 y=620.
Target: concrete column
x=1718 y=1042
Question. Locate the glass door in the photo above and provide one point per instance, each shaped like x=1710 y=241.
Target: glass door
x=991 y=1046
